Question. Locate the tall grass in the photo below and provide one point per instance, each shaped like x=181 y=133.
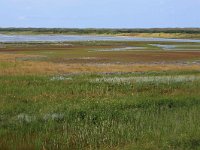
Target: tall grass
x=39 y=113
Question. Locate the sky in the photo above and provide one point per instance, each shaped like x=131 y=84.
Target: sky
x=100 y=13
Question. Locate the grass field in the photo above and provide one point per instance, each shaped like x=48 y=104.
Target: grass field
x=100 y=95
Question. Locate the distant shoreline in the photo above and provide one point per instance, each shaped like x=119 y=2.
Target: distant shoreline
x=171 y=33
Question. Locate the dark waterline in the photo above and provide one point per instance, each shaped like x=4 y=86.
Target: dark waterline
x=63 y=38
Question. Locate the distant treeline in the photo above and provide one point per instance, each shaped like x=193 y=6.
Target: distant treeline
x=101 y=31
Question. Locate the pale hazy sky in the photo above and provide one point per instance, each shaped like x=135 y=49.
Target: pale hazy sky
x=100 y=13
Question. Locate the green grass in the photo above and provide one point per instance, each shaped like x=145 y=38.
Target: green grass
x=37 y=112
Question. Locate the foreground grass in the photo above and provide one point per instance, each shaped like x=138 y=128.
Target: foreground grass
x=71 y=112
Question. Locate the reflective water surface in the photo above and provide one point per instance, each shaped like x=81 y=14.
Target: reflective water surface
x=62 y=38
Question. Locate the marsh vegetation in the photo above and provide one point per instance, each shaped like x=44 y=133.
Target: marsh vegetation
x=99 y=95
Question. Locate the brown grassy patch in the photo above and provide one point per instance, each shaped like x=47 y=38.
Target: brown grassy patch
x=41 y=67
x=145 y=56
x=52 y=68
x=14 y=57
